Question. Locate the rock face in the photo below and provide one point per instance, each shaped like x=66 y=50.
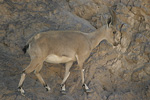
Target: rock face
x=122 y=73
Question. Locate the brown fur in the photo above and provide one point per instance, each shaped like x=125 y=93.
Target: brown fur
x=66 y=47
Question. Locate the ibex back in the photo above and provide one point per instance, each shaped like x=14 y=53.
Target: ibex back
x=65 y=47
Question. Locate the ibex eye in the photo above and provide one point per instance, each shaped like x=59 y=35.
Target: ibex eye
x=114 y=32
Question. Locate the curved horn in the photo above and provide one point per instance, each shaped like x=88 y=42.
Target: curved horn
x=113 y=16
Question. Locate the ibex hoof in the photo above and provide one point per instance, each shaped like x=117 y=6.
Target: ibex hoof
x=47 y=88
x=63 y=92
x=88 y=90
x=21 y=91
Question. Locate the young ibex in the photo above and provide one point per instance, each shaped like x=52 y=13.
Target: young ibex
x=65 y=47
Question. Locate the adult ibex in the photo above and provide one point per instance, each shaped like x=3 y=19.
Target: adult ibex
x=66 y=47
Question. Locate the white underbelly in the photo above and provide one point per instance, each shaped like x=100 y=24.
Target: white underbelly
x=57 y=59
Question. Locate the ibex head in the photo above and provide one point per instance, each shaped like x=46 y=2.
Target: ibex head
x=113 y=36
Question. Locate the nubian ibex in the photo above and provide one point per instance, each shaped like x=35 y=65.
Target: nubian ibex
x=66 y=47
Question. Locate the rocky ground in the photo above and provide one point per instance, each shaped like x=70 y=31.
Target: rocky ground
x=122 y=73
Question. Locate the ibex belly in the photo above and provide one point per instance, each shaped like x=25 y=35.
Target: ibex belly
x=57 y=59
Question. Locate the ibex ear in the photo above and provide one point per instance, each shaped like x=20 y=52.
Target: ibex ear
x=109 y=22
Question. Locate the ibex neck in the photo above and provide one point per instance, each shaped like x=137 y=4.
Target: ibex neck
x=97 y=36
